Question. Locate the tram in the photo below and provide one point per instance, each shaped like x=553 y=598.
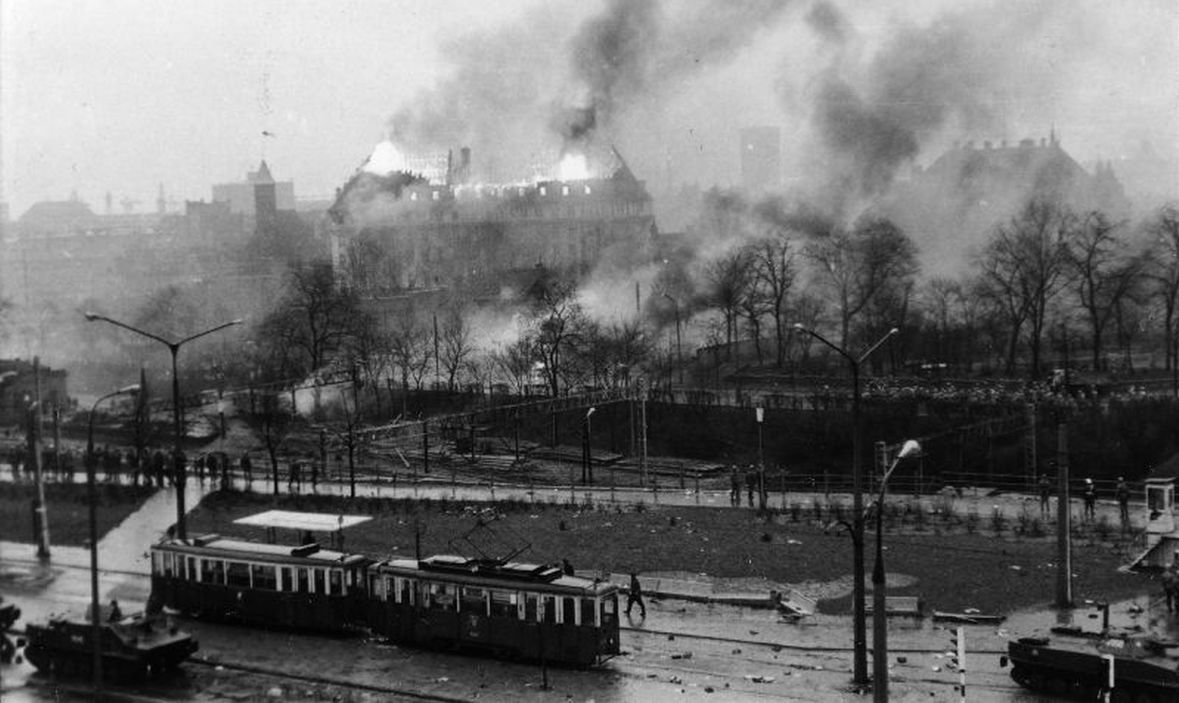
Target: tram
x=496 y=607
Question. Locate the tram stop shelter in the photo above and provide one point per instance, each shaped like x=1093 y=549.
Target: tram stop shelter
x=305 y=524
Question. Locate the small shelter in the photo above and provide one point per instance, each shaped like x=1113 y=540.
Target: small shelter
x=1162 y=539
x=303 y=523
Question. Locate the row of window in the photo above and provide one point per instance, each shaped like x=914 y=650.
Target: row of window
x=522 y=605
x=257 y=576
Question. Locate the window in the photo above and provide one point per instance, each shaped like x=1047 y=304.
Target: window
x=568 y=610
x=544 y=190
x=441 y=596
x=474 y=600
x=264 y=577
x=301 y=583
x=405 y=591
x=588 y=607
x=335 y=582
x=213 y=571
x=531 y=607
x=317 y=581
x=237 y=574
x=157 y=563
x=549 y=606
x=168 y=559
x=192 y=569
x=284 y=581
x=564 y=190
x=503 y=604
x=609 y=609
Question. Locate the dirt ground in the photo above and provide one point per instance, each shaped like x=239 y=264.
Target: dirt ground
x=950 y=565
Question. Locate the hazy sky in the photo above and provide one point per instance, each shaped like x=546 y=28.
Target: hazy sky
x=121 y=95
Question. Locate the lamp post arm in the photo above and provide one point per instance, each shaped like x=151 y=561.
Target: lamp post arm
x=93 y=316
x=202 y=334
x=876 y=346
x=833 y=347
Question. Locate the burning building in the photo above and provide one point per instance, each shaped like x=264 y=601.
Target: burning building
x=395 y=227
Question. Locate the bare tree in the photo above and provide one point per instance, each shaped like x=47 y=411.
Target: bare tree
x=516 y=360
x=860 y=264
x=409 y=351
x=273 y=423
x=1024 y=267
x=457 y=343
x=558 y=323
x=727 y=286
x=1103 y=273
x=1163 y=271
x=775 y=271
x=315 y=319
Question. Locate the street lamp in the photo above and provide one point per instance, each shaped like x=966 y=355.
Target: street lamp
x=679 y=359
x=879 y=623
x=92 y=499
x=859 y=614
x=760 y=413
x=587 y=468
x=177 y=420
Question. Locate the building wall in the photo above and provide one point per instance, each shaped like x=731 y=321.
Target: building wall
x=240 y=196
x=440 y=235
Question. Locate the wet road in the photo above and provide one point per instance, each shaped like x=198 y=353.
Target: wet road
x=682 y=650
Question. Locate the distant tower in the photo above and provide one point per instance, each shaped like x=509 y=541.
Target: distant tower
x=161 y=201
x=761 y=159
x=265 y=195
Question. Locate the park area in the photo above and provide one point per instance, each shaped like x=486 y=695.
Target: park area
x=67 y=508
x=951 y=560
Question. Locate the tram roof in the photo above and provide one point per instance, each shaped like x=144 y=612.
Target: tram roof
x=290 y=519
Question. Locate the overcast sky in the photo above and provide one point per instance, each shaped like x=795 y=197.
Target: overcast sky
x=121 y=95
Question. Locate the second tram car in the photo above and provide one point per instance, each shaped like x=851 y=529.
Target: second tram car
x=526 y=610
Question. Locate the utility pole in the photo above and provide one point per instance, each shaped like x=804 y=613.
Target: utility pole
x=1064 y=552
x=40 y=514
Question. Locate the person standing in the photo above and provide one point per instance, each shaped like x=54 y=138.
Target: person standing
x=1090 y=495
x=247 y=469
x=1122 y=492
x=1045 y=491
x=734 y=486
x=634 y=595
x=750 y=483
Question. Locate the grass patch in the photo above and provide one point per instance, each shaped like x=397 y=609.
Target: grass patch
x=953 y=571
x=67 y=509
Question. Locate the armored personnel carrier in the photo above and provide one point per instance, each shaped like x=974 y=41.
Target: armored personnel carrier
x=1145 y=668
x=132 y=647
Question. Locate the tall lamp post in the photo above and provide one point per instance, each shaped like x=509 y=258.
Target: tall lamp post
x=879 y=621
x=587 y=465
x=859 y=612
x=92 y=499
x=177 y=419
x=759 y=413
x=679 y=359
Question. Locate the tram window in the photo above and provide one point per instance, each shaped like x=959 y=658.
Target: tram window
x=568 y=611
x=405 y=592
x=168 y=559
x=474 y=600
x=237 y=574
x=442 y=596
x=212 y=571
x=285 y=581
x=376 y=587
x=192 y=570
x=588 y=606
x=530 y=607
x=549 y=605
x=609 y=608
x=181 y=572
x=264 y=577
x=301 y=580
x=157 y=563
x=503 y=604
x=335 y=582
x=317 y=581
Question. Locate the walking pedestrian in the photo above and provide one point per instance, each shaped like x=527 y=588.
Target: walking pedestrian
x=247 y=469
x=634 y=595
x=734 y=486
x=1122 y=492
x=1089 y=493
x=750 y=483
x=293 y=477
x=314 y=471
x=1045 y=491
